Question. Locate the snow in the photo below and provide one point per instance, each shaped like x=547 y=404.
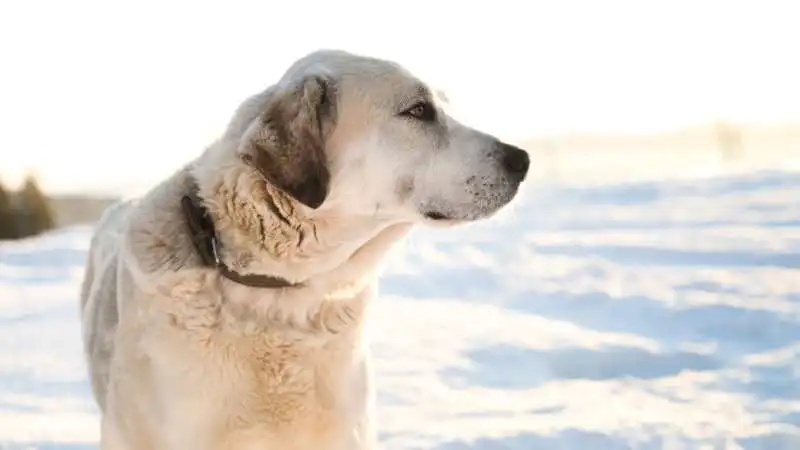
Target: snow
x=647 y=313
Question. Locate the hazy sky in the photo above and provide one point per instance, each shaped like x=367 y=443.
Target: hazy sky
x=112 y=96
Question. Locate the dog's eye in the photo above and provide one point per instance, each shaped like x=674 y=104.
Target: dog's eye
x=423 y=111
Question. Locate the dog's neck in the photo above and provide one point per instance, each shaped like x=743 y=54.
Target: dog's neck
x=264 y=231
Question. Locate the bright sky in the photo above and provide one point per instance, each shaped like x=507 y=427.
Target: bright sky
x=111 y=96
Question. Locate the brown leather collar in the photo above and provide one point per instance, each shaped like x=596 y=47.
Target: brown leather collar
x=207 y=244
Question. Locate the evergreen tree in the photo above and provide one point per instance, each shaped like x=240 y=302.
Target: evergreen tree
x=8 y=220
x=36 y=211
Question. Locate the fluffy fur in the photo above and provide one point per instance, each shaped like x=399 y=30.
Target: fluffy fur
x=314 y=181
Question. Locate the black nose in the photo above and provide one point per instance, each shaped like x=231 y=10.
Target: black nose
x=515 y=161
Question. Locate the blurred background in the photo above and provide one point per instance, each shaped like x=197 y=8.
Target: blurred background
x=643 y=292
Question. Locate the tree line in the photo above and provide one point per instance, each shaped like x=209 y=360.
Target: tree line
x=26 y=212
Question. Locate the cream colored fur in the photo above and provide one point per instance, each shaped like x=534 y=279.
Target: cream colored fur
x=181 y=358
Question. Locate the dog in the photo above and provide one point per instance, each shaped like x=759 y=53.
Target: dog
x=225 y=308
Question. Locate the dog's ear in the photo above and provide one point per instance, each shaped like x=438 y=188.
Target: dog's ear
x=289 y=147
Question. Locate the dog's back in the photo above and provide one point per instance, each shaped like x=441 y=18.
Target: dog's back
x=98 y=296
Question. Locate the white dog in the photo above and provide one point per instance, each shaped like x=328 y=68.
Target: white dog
x=224 y=309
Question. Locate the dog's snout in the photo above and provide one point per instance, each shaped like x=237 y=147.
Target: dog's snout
x=515 y=160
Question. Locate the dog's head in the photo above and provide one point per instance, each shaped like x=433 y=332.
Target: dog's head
x=362 y=136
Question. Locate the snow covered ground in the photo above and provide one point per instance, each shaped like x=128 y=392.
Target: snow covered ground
x=655 y=314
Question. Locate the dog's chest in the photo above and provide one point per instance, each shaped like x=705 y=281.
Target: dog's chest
x=254 y=390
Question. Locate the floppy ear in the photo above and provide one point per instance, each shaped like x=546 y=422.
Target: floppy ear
x=289 y=149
